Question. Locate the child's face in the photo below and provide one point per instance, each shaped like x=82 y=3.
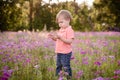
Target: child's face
x=62 y=22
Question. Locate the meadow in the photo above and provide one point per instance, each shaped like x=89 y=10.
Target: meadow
x=30 y=56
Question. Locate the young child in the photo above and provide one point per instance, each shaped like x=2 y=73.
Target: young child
x=63 y=38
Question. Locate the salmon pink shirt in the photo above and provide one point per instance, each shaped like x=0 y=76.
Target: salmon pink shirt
x=62 y=47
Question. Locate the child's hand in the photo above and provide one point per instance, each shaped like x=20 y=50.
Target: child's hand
x=52 y=36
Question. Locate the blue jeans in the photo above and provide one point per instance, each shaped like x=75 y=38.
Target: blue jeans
x=63 y=61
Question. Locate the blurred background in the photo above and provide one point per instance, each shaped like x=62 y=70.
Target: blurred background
x=39 y=15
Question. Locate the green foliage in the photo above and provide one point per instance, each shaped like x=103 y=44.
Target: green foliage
x=43 y=16
x=115 y=9
x=106 y=12
x=35 y=14
x=11 y=15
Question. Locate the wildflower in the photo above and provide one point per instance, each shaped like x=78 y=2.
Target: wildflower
x=118 y=62
x=117 y=72
x=1 y=53
x=95 y=51
x=79 y=74
x=99 y=78
x=46 y=57
x=50 y=69
x=28 y=60
x=85 y=60
x=6 y=74
x=61 y=73
x=36 y=66
x=116 y=77
x=107 y=78
x=98 y=72
x=5 y=68
x=62 y=78
x=72 y=57
x=112 y=57
x=104 y=58
x=105 y=43
x=97 y=63
x=83 y=52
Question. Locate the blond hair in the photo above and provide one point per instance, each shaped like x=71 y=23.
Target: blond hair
x=65 y=13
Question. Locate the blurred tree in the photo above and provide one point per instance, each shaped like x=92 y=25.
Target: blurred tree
x=114 y=7
x=11 y=14
x=81 y=19
x=42 y=16
x=107 y=13
x=45 y=15
x=16 y=15
x=31 y=15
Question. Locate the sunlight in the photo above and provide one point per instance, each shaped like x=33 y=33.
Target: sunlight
x=89 y=2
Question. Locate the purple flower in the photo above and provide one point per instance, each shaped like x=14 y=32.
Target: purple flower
x=112 y=57
x=61 y=73
x=60 y=78
x=6 y=73
x=99 y=78
x=105 y=43
x=2 y=78
x=50 y=69
x=36 y=66
x=85 y=60
x=1 y=53
x=97 y=63
x=98 y=72
x=5 y=68
x=116 y=77
x=118 y=62
x=79 y=74
x=117 y=72
x=104 y=58
x=83 y=52
x=95 y=51
x=28 y=60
